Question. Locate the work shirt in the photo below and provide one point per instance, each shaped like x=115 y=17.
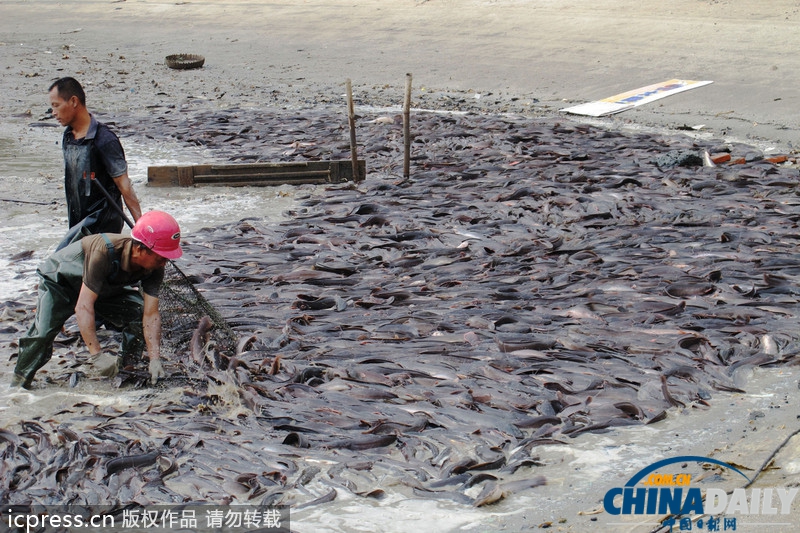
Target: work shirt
x=106 y=276
x=100 y=154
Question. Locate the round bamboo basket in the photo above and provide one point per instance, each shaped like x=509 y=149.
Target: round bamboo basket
x=185 y=61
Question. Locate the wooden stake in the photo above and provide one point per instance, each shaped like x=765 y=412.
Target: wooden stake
x=407 y=128
x=352 y=120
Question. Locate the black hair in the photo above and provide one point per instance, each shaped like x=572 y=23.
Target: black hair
x=69 y=87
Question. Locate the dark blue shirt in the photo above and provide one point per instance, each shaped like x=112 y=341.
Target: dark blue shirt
x=100 y=154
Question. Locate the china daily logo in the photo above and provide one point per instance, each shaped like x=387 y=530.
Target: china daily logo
x=651 y=493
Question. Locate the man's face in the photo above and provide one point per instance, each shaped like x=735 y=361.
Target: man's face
x=63 y=110
x=150 y=260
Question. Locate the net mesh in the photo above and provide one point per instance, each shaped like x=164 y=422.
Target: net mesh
x=182 y=307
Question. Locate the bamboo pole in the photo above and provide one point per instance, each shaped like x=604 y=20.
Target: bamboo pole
x=407 y=128
x=351 y=114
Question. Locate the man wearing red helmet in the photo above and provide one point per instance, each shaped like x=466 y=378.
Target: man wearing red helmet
x=100 y=276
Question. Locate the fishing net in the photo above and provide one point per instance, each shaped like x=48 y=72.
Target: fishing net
x=182 y=309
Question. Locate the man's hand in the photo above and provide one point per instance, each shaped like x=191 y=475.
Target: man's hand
x=156 y=371
x=105 y=364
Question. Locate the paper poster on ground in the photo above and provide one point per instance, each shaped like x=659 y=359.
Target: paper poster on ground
x=636 y=97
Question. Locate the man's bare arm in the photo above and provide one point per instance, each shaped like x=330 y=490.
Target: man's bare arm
x=84 y=313
x=125 y=186
x=151 y=324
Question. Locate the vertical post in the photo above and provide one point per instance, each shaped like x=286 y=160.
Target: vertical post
x=407 y=128
x=351 y=118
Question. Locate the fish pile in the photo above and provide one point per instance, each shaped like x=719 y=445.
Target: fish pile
x=531 y=281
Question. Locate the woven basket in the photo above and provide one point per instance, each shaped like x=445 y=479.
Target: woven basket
x=185 y=61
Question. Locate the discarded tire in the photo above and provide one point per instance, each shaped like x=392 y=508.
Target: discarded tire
x=185 y=61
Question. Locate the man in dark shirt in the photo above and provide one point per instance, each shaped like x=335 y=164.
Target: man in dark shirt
x=98 y=276
x=91 y=152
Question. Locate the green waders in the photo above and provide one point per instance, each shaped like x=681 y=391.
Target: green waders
x=60 y=280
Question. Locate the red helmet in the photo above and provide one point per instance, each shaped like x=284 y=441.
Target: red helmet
x=160 y=232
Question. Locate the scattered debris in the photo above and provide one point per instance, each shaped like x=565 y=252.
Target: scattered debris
x=643 y=95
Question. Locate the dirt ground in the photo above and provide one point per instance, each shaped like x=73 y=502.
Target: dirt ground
x=537 y=55
x=520 y=56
